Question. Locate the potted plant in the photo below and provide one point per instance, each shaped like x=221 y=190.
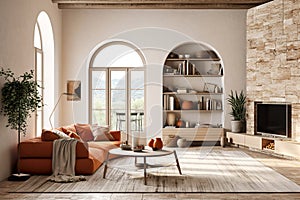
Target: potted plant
x=20 y=97
x=238 y=110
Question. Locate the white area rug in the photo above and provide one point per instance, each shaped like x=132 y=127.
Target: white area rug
x=203 y=171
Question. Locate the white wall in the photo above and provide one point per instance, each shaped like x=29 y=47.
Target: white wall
x=225 y=30
x=17 y=20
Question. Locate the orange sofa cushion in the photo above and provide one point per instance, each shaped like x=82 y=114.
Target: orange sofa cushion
x=116 y=135
x=48 y=135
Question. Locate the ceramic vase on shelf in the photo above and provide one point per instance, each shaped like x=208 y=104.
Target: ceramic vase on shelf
x=187 y=105
x=150 y=143
x=158 y=144
x=171 y=119
x=179 y=123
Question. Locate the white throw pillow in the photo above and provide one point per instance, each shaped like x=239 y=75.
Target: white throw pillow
x=101 y=133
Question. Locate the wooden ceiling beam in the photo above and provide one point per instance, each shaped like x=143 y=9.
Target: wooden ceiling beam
x=155 y=6
x=158 y=4
x=163 y=1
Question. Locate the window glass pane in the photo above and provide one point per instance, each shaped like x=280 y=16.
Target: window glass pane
x=37 y=37
x=118 y=99
x=136 y=118
x=98 y=79
x=118 y=119
x=128 y=59
x=137 y=100
x=99 y=99
x=39 y=123
x=39 y=66
x=99 y=117
x=137 y=79
x=118 y=80
x=117 y=55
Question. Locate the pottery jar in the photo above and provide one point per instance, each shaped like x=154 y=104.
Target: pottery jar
x=150 y=143
x=187 y=105
x=171 y=119
x=158 y=144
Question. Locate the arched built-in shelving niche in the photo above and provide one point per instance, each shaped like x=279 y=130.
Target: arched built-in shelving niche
x=193 y=85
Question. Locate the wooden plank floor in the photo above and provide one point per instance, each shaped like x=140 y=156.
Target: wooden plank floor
x=287 y=167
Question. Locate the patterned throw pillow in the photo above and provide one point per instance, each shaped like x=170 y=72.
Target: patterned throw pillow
x=84 y=131
x=51 y=135
x=74 y=135
x=67 y=128
x=60 y=134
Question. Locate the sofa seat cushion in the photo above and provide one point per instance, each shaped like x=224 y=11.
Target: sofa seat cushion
x=36 y=148
x=105 y=145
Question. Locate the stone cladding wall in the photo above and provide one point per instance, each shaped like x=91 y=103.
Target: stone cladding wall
x=273 y=55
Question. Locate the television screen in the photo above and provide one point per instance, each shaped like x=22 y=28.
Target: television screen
x=273 y=119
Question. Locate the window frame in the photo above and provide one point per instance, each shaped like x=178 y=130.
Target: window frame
x=128 y=89
x=39 y=119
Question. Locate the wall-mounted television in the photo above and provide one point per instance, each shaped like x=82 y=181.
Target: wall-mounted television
x=273 y=119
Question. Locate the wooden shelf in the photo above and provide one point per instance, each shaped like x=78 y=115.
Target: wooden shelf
x=194 y=134
x=282 y=146
x=191 y=76
x=193 y=111
x=193 y=59
x=198 y=93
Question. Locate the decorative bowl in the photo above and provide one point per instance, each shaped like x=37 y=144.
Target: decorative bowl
x=187 y=105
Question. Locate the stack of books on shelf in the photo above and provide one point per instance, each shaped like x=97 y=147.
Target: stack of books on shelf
x=168 y=102
x=209 y=104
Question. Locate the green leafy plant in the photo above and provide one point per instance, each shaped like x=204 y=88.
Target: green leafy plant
x=237 y=103
x=20 y=97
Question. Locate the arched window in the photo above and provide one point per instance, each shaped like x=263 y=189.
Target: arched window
x=117 y=78
x=44 y=64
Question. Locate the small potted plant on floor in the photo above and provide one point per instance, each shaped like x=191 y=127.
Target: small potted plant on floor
x=238 y=110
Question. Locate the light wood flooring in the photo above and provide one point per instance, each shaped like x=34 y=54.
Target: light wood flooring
x=287 y=167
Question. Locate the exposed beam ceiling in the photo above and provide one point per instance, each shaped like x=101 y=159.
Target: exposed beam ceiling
x=158 y=4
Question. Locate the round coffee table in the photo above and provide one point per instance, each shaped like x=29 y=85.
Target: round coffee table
x=143 y=154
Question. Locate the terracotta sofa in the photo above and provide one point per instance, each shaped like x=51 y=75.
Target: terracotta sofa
x=36 y=153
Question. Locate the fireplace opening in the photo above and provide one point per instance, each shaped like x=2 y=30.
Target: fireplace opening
x=273 y=119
